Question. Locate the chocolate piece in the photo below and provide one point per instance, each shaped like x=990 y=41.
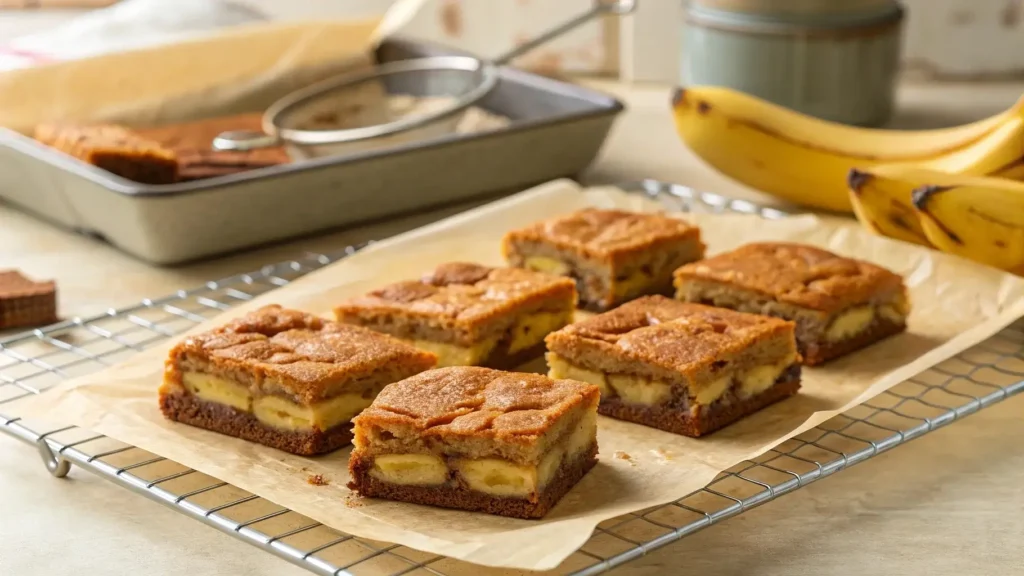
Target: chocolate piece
x=25 y=303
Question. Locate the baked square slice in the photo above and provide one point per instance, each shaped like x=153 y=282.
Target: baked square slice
x=283 y=378
x=468 y=314
x=115 y=149
x=684 y=368
x=613 y=255
x=24 y=302
x=476 y=439
x=839 y=304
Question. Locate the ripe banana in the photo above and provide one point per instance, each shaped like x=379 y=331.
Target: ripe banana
x=976 y=217
x=881 y=195
x=882 y=204
x=806 y=160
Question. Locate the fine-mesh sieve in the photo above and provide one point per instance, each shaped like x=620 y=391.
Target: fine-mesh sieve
x=351 y=112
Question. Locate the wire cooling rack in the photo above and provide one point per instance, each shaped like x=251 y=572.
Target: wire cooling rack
x=35 y=361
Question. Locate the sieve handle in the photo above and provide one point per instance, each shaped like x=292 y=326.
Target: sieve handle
x=244 y=140
x=600 y=7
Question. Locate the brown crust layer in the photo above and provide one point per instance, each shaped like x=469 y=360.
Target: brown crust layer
x=797 y=274
x=817 y=353
x=708 y=419
x=462 y=498
x=188 y=409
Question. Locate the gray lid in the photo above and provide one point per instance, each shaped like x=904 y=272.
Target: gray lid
x=790 y=14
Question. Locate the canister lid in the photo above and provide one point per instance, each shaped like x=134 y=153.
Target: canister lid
x=793 y=14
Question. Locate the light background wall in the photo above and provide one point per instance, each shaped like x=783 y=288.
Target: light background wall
x=960 y=38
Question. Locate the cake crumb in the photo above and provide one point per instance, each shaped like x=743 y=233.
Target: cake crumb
x=624 y=456
x=318 y=480
x=662 y=455
x=353 y=501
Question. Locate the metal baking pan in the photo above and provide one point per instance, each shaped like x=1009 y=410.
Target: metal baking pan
x=557 y=129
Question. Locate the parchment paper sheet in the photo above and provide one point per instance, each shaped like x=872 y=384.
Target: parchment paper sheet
x=243 y=69
x=956 y=304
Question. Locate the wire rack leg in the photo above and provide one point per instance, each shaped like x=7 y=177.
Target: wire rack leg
x=55 y=463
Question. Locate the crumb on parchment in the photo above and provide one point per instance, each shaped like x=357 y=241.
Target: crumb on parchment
x=318 y=480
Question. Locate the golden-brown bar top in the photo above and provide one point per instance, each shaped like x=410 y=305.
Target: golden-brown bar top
x=468 y=401
x=796 y=274
x=603 y=233
x=306 y=355
x=680 y=337
x=461 y=295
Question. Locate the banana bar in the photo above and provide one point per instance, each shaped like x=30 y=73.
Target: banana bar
x=684 y=368
x=839 y=304
x=613 y=255
x=115 y=149
x=283 y=378
x=468 y=314
x=478 y=439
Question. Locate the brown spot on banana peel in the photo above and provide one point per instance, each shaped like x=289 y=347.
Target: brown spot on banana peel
x=703 y=108
x=856 y=180
x=921 y=196
x=1000 y=244
x=898 y=221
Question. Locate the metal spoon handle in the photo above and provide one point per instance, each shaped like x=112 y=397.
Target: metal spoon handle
x=244 y=140
x=600 y=7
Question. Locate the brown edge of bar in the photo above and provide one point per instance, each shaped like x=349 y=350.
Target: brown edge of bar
x=708 y=419
x=816 y=354
x=187 y=409
x=461 y=498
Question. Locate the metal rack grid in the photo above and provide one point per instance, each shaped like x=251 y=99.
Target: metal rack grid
x=36 y=360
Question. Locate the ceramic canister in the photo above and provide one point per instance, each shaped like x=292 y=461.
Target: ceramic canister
x=834 y=59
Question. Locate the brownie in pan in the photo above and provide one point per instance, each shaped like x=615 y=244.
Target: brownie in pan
x=283 y=378
x=115 y=149
x=684 y=368
x=478 y=439
x=839 y=304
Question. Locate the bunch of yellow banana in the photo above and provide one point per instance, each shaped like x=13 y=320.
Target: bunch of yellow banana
x=954 y=189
